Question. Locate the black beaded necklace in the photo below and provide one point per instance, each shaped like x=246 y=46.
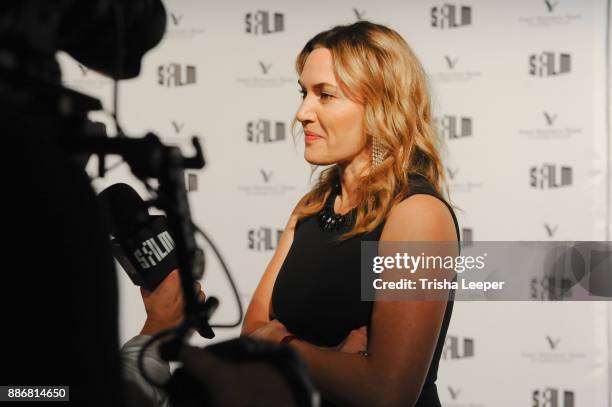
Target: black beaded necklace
x=329 y=220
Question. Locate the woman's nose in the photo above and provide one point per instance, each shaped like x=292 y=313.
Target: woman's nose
x=305 y=113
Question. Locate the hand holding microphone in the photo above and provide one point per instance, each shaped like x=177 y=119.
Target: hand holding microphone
x=164 y=305
x=141 y=243
x=145 y=249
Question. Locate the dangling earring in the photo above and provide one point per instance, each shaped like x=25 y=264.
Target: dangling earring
x=377 y=152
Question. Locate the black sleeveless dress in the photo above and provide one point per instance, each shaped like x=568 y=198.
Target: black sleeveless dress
x=317 y=293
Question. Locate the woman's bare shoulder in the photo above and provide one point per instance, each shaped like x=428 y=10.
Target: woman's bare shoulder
x=419 y=217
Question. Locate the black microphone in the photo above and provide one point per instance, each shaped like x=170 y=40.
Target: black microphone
x=143 y=246
x=141 y=242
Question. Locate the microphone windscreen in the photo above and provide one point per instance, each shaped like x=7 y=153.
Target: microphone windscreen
x=123 y=209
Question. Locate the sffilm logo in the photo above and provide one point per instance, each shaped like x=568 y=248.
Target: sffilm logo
x=176 y=75
x=264 y=22
x=191 y=182
x=467 y=236
x=263 y=238
x=551 y=397
x=454 y=348
x=450 y=16
x=265 y=131
x=548 y=176
x=549 y=64
x=154 y=250
x=453 y=127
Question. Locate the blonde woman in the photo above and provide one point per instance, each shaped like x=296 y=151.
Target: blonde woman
x=365 y=113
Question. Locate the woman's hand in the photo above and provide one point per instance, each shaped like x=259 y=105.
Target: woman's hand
x=355 y=342
x=273 y=331
x=164 y=305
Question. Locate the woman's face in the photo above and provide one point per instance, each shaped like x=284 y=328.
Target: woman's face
x=333 y=124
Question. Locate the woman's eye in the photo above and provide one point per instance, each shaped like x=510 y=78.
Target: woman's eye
x=324 y=96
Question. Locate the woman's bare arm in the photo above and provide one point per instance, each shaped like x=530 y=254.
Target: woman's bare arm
x=258 y=311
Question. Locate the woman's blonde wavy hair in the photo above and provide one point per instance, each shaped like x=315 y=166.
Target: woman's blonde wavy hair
x=381 y=71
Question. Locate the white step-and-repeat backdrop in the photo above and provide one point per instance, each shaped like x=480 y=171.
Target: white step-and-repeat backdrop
x=520 y=95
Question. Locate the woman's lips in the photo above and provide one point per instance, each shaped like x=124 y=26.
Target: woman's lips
x=311 y=136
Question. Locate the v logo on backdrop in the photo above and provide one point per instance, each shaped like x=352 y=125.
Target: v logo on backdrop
x=550 y=230
x=551 y=6
x=176 y=18
x=358 y=13
x=552 y=342
x=452 y=173
x=265 y=68
x=550 y=119
x=454 y=393
x=266 y=175
x=83 y=69
x=177 y=126
x=451 y=62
